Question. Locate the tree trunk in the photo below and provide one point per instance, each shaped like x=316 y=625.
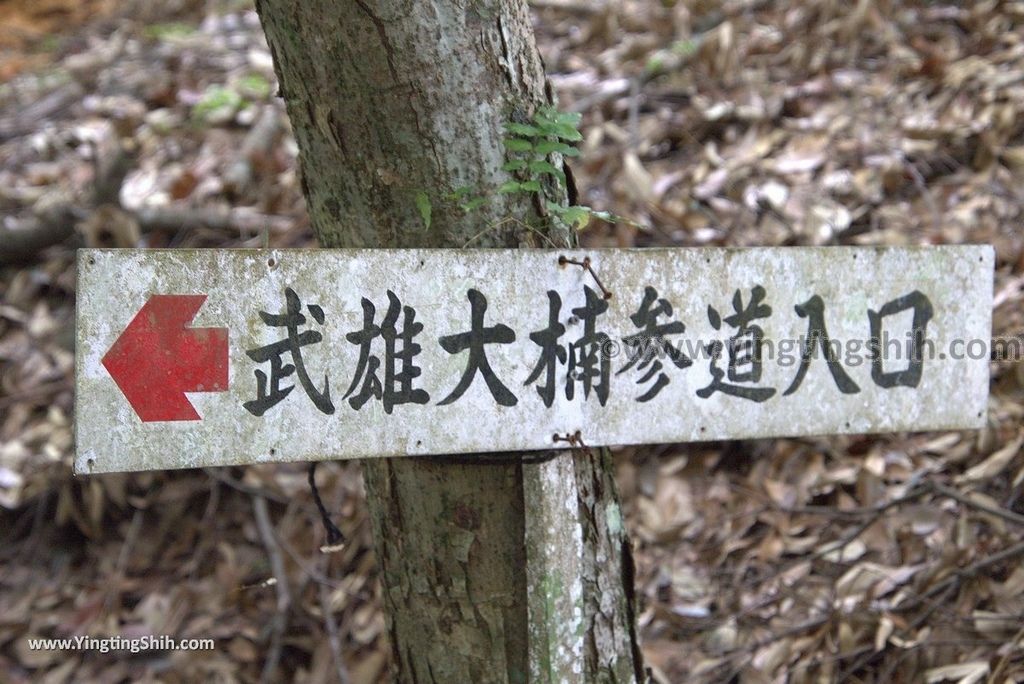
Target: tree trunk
x=496 y=570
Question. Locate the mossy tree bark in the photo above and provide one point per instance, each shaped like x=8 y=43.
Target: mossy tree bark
x=493 y=571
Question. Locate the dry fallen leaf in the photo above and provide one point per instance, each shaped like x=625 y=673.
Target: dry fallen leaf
x=994 y=464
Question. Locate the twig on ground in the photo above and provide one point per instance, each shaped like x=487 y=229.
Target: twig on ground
x=28 y=118
x=243 y=487
x=113 y=585
x=206 y=524
x=745 y=652
x=331 y=627
x=572 y=6
x=284 y=600
x=50 y=224
x=312 y=572
x=869 y=656
x=959 y=574
x=950 y=493
x=874 y=513
x=55 y=224
x=926 y=194
x=112 y=162
x=46 y=392
x=258 y=143
x=237 y=219
x=998 y=673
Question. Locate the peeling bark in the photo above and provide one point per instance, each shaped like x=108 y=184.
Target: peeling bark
x=493 y=571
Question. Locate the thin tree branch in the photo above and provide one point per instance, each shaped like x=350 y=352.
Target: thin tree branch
x=284 y=600
x=951 y=493
x=333 y=638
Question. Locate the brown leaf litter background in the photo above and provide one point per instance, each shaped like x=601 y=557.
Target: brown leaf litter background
x=893 y=558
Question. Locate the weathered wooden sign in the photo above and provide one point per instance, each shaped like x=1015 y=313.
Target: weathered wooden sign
x=191 y=358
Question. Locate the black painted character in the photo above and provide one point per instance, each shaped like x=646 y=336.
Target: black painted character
x=649 y=345
x=587 y=359
x=744 y=349
x=552 y=353
x=399 y=354
x=910 y=376
x=292 y=344
x=814 y=310
x=589 y=356
x=475 y=340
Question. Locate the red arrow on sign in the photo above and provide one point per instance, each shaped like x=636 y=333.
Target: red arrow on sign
x=157 y=359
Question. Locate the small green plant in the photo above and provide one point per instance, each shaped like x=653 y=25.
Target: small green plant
x=254 y=86
x=220 y=103
x=169 y=31
x=672 y=58
x=217 y=104
x=424 y=207
x=529 y=147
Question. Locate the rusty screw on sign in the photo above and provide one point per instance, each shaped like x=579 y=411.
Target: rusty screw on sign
x=585 y=265
x=574 y=440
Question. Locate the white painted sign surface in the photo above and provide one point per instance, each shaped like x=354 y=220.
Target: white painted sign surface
x=189 y=358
